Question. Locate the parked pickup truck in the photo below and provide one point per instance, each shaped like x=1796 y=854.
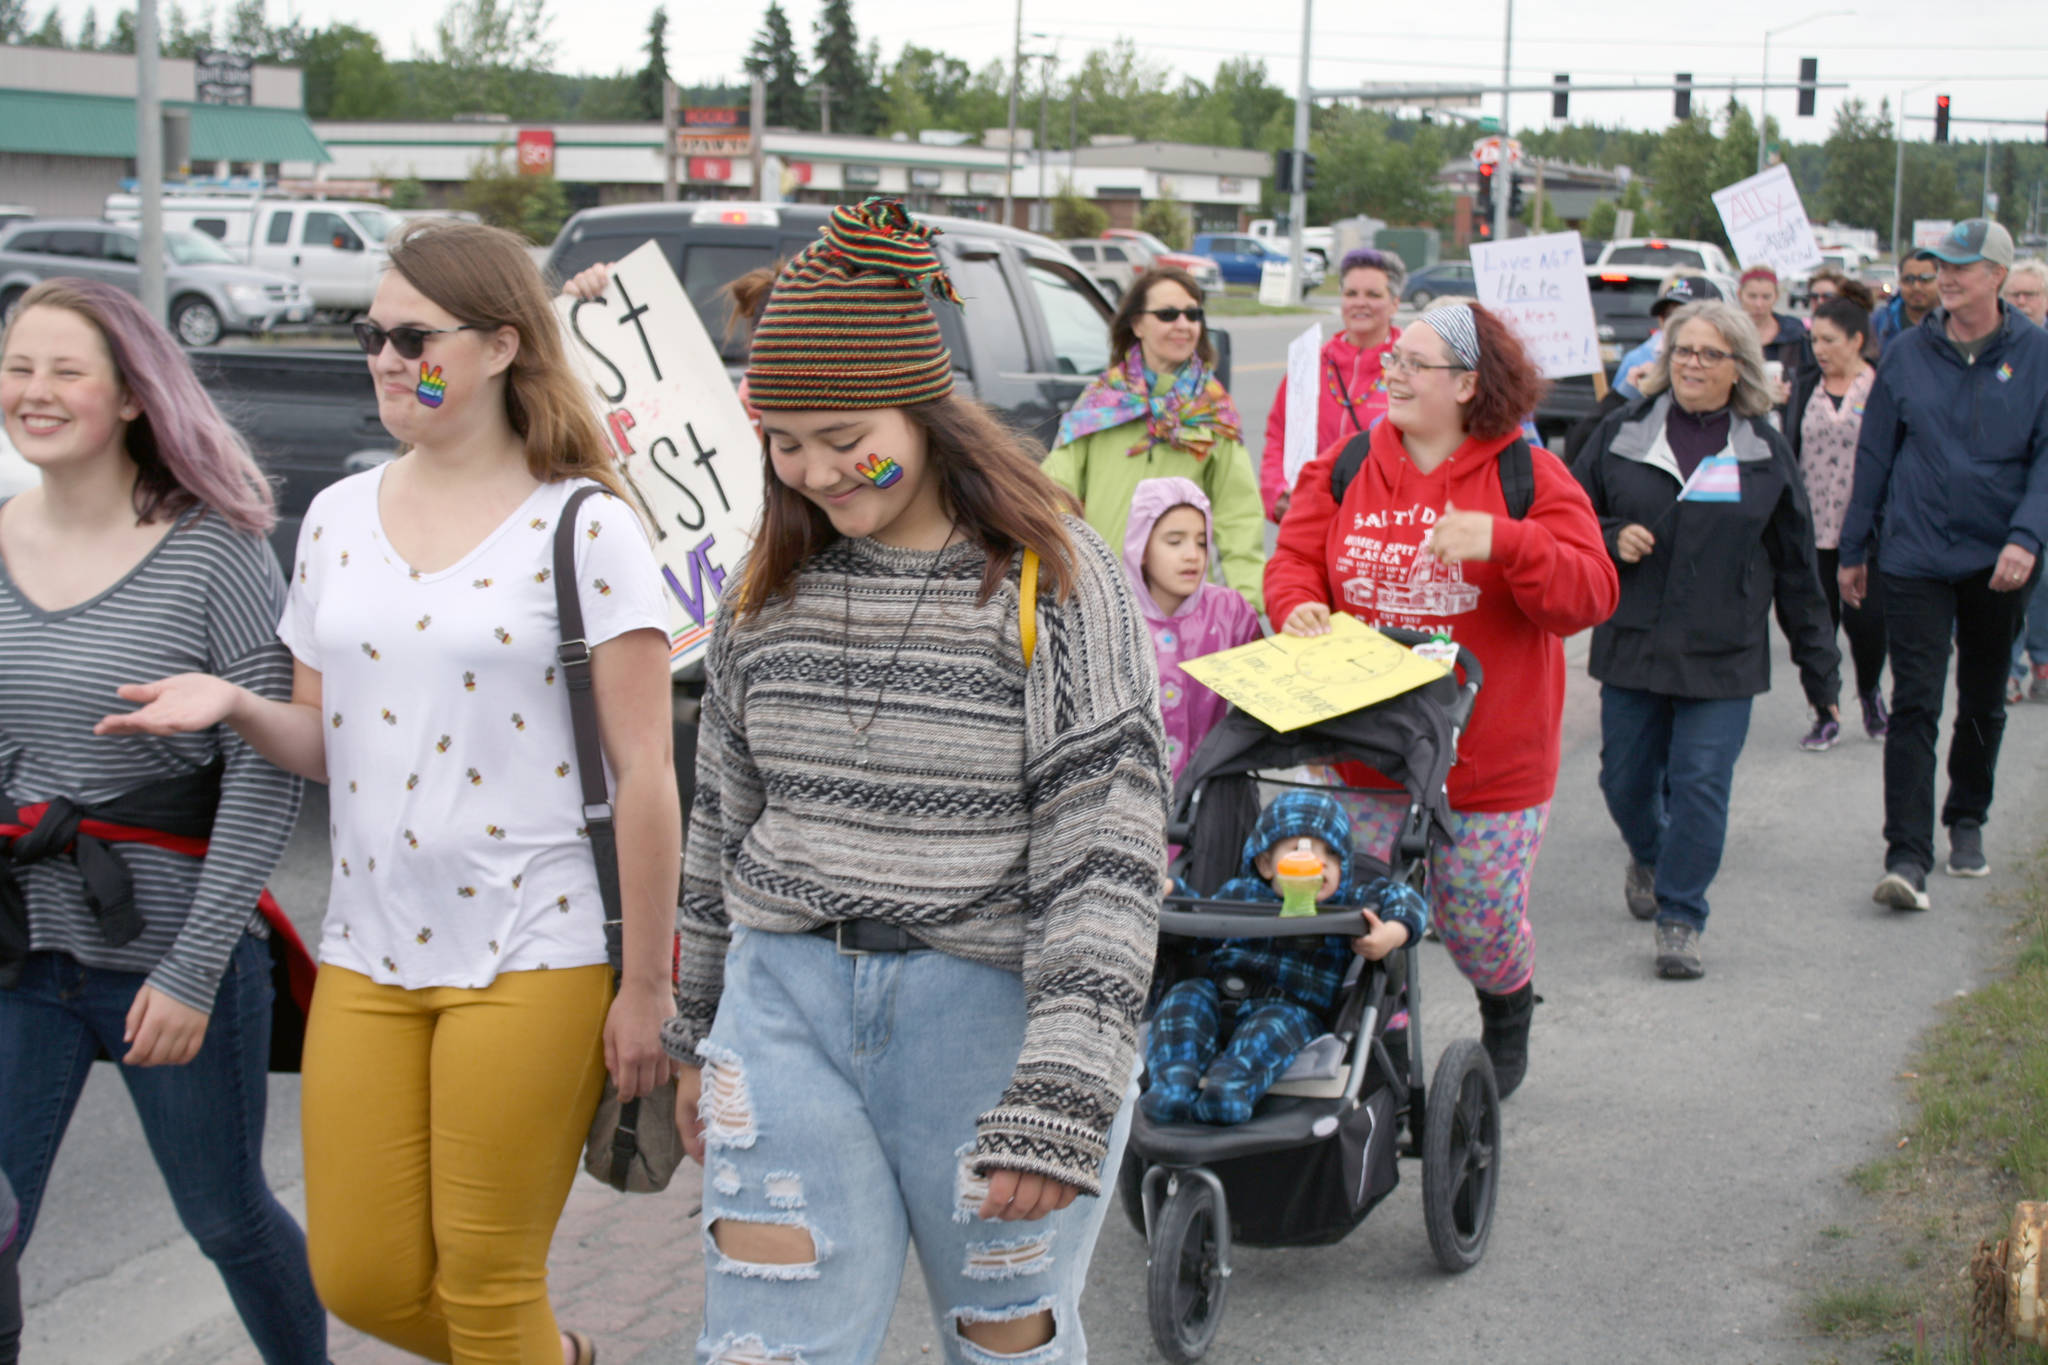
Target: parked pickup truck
x=1033 y=332
x=1319 y=242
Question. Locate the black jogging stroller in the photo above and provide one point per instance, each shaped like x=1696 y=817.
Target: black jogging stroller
x=1320 y=1150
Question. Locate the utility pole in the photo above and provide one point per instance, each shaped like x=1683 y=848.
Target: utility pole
x=757 y=139
x=1297 y=197
x=670 y=117
x=824 y=107
x=1504 y=194
x=1010 y=145
x=1988 y=140
x=1045 y=61
x=1898 y=177
x=149 y=157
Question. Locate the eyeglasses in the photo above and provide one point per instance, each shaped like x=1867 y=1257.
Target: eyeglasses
x=1399 y=362
x=1699 y=355
x=1928 y=278
x=407 y=341
x=1176 y=314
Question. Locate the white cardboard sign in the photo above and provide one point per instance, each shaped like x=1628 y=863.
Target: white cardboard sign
x=1767 y=224
x=1304 y=408
x=1538 y=287
x=683 y=441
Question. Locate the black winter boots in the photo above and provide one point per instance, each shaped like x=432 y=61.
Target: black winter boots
x=1504 y=1033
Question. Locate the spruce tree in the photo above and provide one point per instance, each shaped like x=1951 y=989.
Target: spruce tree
x=655 y=73
x=773 y=57
x=840 y=66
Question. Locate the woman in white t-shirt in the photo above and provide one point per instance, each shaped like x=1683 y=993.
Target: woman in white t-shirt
x=464 y=1017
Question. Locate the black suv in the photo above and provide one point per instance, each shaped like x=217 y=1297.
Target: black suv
x=1034 y=332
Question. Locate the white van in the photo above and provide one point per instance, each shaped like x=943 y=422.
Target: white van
x=334 y=247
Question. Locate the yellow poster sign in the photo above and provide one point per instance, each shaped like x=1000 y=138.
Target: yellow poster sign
x=1289 y=681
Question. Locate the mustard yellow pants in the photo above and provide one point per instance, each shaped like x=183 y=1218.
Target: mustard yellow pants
x=441 y=1130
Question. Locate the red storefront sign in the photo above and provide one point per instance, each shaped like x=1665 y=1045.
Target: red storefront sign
x=536 y=151
x=717 y=168
x=800 y=171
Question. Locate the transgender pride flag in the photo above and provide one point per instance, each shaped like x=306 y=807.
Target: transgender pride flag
x=1716 y=480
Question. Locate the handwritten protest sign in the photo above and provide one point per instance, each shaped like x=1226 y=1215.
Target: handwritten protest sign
x=682 y=439
x=1538 y=286
x=1304 y=392
x=1289 y=681
x=1767 y=224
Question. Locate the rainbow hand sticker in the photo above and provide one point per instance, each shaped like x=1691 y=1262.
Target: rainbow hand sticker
x=433 y=388
x=879 y=470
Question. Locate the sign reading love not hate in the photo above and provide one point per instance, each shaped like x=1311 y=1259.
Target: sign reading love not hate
x=1538 y=287
x=683 y=442
x=1767 y=224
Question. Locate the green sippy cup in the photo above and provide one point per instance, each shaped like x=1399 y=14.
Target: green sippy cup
x=1301 y=877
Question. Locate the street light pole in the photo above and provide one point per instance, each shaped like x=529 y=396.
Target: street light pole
x=1297 y=197
x=1010 y=147
x=1503 y=195
x=149 y=157
x=1899 y=172
x=1763 y=87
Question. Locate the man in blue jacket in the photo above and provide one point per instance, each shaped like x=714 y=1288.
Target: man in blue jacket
x=1919 y=291
x=1951 y=501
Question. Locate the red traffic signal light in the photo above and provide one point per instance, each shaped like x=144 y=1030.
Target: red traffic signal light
x=1941 y=118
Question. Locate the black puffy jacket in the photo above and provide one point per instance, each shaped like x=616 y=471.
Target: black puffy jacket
x=1694 y=619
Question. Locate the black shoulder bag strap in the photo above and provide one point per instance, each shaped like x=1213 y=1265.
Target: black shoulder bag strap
x=1517 y=466
x=573 y=654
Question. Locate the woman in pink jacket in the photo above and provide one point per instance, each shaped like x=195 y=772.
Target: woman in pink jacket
x=1353 y=393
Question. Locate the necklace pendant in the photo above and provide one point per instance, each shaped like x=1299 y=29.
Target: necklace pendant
x=860 y=748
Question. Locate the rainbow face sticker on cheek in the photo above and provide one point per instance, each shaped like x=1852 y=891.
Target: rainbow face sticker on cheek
x=879 y=470
x=433 y=388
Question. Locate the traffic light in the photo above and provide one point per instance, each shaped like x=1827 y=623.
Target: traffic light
x=1308 y=171
x=1941 y=118
x=1681 y=100
x=1809 y=72
x=1482 y=202
x=1283 y=170
x=1561 y=97
x=1514 y=196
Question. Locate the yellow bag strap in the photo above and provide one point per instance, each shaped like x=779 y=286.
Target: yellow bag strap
x=1027 y=606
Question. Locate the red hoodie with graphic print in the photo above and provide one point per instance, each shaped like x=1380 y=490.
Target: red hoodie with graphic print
x=1549 y=576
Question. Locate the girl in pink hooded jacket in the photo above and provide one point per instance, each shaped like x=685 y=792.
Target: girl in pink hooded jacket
x=1166 y=554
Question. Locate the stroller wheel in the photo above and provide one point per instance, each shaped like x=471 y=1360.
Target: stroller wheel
x=1461 y=1156
x=1186 y=1281
x=1130 y=1189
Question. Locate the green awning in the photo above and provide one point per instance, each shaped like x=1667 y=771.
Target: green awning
x=57 y=124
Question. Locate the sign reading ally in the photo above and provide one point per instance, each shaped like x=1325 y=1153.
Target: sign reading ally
x=1767 y=224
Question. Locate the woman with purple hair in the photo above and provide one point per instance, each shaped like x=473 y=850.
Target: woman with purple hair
x=1353 y=391
x=121 y=932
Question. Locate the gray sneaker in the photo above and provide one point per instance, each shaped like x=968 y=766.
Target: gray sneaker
x=1903 y=887
x=1966 y=850
x=1678 y=951
x=1639 y=889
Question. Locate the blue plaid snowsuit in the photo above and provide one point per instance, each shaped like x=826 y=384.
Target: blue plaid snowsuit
x=1244 y=1041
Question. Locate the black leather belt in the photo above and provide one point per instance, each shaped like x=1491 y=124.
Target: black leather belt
x=854 y=936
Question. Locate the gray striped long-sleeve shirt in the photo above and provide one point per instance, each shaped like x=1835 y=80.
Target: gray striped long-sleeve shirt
x=207 y=600
x=1009 y=815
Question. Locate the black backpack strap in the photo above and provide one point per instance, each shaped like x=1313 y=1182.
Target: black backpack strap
x=1517 y=466
x=1348 y=464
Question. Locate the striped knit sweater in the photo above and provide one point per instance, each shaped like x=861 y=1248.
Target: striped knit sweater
x=205 y=600
x=1007 y=815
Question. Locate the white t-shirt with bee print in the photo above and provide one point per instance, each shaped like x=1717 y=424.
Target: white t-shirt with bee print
x=455 y=807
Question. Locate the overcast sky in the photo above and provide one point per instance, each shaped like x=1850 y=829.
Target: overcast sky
x=1990 y=55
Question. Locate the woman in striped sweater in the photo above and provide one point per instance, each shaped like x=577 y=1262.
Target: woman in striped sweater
x=921 y=883
x=141 y=549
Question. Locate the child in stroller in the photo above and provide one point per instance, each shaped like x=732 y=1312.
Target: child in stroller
x=1219 y=1040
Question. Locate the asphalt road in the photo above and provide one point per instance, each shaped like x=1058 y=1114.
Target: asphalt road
x=1667 y=1168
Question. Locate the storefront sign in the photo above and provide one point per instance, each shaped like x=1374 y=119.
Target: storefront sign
x=224 y=77
x=536 y=151
x=926 y=178
x=861 y=175
x=717 y=169
x=984 y=182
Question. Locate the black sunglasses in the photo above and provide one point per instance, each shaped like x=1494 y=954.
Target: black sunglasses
x=407 y=341
x=1176 y=314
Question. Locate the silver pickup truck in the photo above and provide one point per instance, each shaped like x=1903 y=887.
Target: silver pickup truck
x=209 y=292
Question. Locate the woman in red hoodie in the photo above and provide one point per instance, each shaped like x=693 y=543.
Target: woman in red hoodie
x=1424 y=536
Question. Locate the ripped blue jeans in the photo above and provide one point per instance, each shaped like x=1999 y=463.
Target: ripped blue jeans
x=840 y=1096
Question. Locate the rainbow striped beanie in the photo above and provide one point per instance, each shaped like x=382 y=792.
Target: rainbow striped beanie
x=848 y=323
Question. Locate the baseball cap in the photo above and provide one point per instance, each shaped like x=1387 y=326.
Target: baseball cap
x=1683 y=290
x=1975 y=239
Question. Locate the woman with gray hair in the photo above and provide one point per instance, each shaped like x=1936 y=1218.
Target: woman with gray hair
x=1703 y=510
x=1353 y=390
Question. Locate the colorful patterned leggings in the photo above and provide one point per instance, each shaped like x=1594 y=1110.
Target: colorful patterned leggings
x=1478 y=886
x=1186 y=1043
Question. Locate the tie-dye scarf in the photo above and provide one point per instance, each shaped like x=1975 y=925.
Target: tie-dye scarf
x=1191 y=416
